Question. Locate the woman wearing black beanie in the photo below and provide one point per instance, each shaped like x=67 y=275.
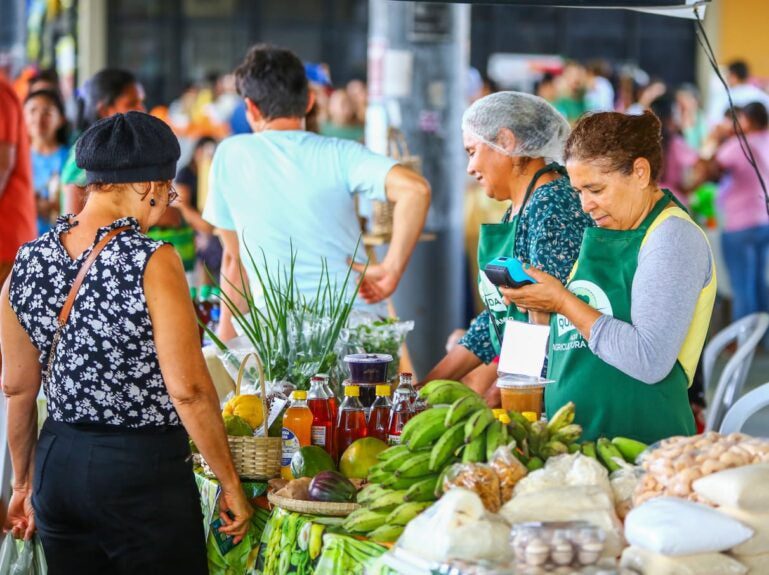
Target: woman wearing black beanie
x=99 y=314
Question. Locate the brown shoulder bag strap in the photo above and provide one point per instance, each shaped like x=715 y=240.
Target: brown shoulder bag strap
x=70 y=301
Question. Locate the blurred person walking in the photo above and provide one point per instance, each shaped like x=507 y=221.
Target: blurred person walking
x=17 y=198
x=110 y=91
x=208 y=245
x=48 y=132
x=342 y=121
x=678 y=159
x=742 y=205
x=743 y=92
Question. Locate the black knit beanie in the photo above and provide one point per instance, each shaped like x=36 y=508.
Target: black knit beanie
x=128 y=148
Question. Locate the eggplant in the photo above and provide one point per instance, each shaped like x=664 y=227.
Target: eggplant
x=332 y=486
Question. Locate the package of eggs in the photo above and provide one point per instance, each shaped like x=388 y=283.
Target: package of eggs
x=553 y=545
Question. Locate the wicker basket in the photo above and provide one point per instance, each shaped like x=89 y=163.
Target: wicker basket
x=254 y=457
x=382 y=212
x=312 y=507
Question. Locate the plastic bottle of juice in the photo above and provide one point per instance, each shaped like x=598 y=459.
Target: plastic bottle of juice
x=352 y=419
x=297 y=430
x=323 y=424
x=401 y=412
x=379 y=417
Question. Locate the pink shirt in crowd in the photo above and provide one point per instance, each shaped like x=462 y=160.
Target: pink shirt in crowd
x=679 y=159
x=740 y=198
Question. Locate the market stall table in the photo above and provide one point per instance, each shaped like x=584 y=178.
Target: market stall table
x=282 y=542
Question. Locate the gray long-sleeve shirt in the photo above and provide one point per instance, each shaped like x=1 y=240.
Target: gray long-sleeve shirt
x=673 y=266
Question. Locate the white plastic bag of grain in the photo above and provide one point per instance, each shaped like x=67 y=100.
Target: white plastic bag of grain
x=673 y=527
x=756 y=564
x=759 y=523
x=457 y=527
x=744 y=487
x=647 y=563
x=588 y=503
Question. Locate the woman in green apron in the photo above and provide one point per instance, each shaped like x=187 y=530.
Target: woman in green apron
x=628 y=329
x=511 y=140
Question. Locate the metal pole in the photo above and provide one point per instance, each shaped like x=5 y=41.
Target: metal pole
x=437 y=38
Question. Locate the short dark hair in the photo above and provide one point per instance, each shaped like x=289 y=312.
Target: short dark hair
x=275 y=81
x=756 y=114
x=617 y=140
x=740 y=69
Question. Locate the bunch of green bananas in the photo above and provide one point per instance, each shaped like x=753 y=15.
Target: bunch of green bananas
x=408 y=478
x=614 y=454
x=535 y=442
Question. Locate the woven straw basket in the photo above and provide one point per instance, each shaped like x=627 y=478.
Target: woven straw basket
x=382 y=212
x=254 y=457
x=312 y=507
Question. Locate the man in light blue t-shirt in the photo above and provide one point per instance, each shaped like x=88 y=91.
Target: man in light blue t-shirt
x=283 y=185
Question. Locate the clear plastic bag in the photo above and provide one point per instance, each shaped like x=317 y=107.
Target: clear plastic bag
x=8 y=555
x=367 y=333
x=509 y=470
x=674 y=464
x=30 y=561
x=479 y=478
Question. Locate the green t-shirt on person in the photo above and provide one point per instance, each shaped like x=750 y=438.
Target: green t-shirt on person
x=70 y=173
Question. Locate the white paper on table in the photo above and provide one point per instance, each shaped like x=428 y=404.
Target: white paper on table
x=524 y=349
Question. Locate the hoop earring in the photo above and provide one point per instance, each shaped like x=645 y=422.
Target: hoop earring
x=153 y=203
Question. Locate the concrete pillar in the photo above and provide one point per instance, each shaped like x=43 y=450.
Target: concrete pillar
x=91 y=37
x=427 y=104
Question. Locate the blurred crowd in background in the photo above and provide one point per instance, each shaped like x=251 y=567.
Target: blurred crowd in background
x=704 y=163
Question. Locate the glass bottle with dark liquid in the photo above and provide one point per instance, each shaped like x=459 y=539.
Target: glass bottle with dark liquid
x=379 y=416
x=352 y=419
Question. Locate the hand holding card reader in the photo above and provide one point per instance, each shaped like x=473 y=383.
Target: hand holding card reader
x=508 y=272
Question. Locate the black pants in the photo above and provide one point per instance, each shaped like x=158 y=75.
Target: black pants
x=114 y=502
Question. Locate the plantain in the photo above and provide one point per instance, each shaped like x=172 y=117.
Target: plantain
x=423 y=428
x=423 y=490
x=476 y=424
x=563 y=417
x=446 y=446
x=475 y=451
x=388 y=501
x=496 y=437
x=415 y=466
x=462 y=408
x=386 y=533
x=404 y=513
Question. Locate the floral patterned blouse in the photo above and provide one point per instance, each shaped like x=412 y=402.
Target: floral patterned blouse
x=106 y=369
x=549 y=237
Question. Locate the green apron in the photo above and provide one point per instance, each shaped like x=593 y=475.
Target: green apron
x=609 y=402
x=497 y=240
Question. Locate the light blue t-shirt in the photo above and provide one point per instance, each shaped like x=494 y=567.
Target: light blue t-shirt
x=45 y=167
x=279 y=187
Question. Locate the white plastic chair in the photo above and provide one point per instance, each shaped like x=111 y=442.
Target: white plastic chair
x=745 y=408
x=747 y=332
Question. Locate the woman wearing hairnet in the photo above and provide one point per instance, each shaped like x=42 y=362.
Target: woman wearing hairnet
x=513 y=141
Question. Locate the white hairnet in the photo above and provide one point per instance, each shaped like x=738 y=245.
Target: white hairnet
x=540 y=130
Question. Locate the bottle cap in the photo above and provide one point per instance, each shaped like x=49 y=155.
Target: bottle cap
x=530 y=415
x=205 y=291
x=299 y=394
x=504 y=418
x=351 y=391
x=383 y=390
x=193 y=292
x=497 y=412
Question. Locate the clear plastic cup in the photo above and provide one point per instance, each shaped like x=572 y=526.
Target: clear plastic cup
x=368 y=367
x=521 y=395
